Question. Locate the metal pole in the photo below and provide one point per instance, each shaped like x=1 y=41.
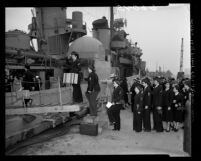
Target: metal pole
x=60 y=99
x=11 y=88
x=111 y=25
x=39 y=92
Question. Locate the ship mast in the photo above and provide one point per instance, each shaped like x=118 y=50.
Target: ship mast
x=111 y=25
x=181 y=56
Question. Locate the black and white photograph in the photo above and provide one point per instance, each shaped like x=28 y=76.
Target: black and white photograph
x=98 y=80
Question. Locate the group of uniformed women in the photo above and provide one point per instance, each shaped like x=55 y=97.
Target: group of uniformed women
x=164 y=99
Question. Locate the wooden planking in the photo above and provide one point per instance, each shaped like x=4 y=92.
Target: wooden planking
x=50 y=109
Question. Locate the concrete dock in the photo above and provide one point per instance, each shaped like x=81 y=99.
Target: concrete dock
x=109 y=142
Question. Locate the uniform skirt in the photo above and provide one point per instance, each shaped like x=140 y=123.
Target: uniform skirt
x=178 y=115
x=77 y=93
x=168 y=114
x=137 y=121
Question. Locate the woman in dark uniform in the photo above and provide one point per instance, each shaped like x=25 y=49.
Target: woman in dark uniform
x=138 y=108
x=93 y=90
x=73 y=66
x=146 y=104
x=157 y=105
x=124 y=86
x=117 y=98
x=132 y=91
x=186 y=91
x=177 y=107
x=167 y=102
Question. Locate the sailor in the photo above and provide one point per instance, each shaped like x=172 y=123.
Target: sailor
x=73 y=66
x=93 y=90
x=177 y=108
x=132 y=91
x=157 y=105
x=138 y=108
x=117 y=98
x=146 y=104
x=167 y=102
x=124 y=86
x=109 y=91
x=187 y=91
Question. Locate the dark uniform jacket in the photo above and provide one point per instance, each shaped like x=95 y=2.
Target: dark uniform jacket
x=147 y=97
x=178 y=100
x=117 y=95
x=124 y=86
x=186 y=96
x=138 y=102
x=74 y=67
x=157 y=96
x=93 y=83
x=132 y=89
x=167 y=98
x=28 y=81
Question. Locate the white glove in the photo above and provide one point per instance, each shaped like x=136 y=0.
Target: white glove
x=159 y=108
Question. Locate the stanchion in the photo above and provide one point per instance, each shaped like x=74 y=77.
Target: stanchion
x=11 y=87
x=39 y=92
x=60 y=99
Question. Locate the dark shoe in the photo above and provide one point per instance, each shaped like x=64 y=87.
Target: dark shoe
x=114 y=129
x=175 y=130
x=147 y=130
x=112 y=123
x=71 y=114
x=138 y=131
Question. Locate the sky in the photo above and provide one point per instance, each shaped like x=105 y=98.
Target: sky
x=158 y=30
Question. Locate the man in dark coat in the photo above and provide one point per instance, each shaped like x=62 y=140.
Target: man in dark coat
x=157 y=105
x=146 y=104
x=93 y=90
x=28 y=83
x=28 y=79
x=138 y=108
x=73 y=66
